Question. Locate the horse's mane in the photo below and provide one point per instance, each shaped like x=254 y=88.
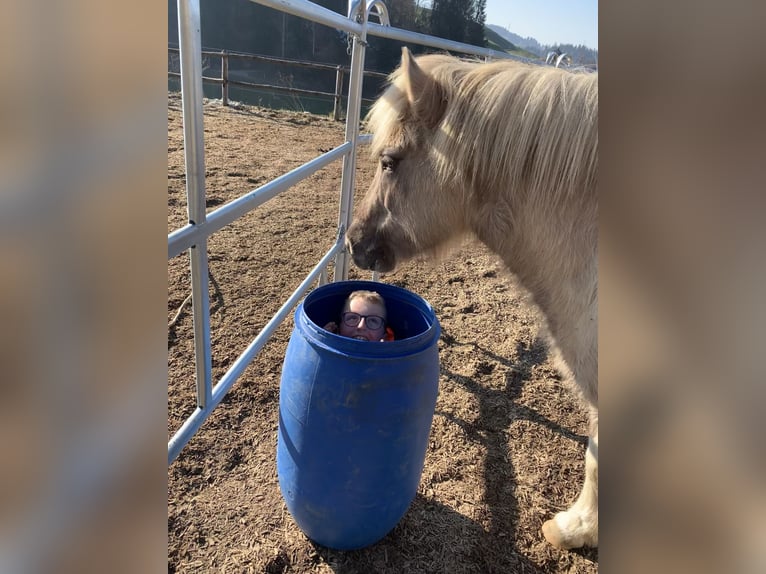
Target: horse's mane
x=506 y=124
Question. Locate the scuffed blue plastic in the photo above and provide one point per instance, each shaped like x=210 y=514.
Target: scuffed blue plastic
x=355 y=416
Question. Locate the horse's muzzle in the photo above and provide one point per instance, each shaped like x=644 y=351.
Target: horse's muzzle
x=369 y=255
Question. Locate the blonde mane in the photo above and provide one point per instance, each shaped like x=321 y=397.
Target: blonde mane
x=539 y=123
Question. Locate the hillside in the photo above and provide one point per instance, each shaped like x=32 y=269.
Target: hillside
x=526 y=43
x=496 y=42
x=580 y=54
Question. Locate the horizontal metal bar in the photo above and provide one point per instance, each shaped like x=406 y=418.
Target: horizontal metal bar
x=313 y=12
x=183 y=238
x=195 y=420
x=425 y=40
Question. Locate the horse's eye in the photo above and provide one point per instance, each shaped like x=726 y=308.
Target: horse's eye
x=388 y=163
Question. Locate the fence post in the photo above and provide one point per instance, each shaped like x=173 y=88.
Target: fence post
x=225 y=77
x=353 y=107
x=338 y=89
x=190 y=41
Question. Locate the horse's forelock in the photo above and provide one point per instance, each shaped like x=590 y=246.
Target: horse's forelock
x=384 y=122
x=391 y=119
x=384 y=119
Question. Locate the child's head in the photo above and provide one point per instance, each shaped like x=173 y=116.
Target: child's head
x=363 y=316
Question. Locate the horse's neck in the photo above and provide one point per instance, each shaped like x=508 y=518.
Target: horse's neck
x=553 y=258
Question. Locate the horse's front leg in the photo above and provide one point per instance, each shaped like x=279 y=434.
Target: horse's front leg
x=578 y=526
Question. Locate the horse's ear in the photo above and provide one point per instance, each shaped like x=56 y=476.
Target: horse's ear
x=424 y=94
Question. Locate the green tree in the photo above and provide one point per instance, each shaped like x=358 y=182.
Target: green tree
x=459 y=20
x=475 y=33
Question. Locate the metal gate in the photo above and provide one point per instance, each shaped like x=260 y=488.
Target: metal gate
x=193 y=236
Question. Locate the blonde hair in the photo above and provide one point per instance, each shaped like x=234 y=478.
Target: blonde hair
x=369 y=296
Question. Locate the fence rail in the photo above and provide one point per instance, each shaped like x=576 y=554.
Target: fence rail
x=225 y=81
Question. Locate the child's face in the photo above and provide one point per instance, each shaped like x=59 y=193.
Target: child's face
x=361 y=331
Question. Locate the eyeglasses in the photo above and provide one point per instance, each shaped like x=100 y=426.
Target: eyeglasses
x=373 y=322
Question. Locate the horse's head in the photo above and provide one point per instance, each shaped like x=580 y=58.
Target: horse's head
x=408 y=209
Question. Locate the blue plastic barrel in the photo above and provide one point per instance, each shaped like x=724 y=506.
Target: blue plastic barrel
x=354 y=417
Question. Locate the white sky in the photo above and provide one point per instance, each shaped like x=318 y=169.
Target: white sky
x=548 y=21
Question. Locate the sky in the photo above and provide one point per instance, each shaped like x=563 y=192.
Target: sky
x=548 y=21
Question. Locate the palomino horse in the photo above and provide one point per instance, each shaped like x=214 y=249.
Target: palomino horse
x=508 y=152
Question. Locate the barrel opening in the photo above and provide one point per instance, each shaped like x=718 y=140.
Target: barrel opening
x=408 y=314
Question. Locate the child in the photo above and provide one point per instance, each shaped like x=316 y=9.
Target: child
x=363 y=317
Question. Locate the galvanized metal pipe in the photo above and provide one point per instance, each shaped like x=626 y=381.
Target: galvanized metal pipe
x=313 y=12
x=357 y=9
x=374 y=29
x=190 y=40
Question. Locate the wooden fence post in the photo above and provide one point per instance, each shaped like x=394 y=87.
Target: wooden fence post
x=338 y=90
x=225 y=77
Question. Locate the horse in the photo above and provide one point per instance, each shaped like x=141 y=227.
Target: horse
x=508 y=152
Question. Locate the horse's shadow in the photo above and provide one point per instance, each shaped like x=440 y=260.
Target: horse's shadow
x=517 y=373
x=498 y=409
x=433 y=537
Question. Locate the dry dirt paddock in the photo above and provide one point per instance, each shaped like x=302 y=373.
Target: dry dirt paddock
x=508 y=437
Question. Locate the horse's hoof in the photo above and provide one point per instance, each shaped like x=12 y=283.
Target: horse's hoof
x=575 y=536
x=553 y=534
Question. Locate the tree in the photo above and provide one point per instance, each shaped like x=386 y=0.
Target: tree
x=475 y=33
x=459 y=20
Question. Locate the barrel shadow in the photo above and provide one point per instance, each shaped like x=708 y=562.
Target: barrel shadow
x=432 y=539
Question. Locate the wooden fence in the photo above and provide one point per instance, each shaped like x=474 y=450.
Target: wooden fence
x=225 y=82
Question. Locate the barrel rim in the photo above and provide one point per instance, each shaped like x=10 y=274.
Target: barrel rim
x=379 y=349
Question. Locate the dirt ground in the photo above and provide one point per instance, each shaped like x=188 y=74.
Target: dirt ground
x=508 y=437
